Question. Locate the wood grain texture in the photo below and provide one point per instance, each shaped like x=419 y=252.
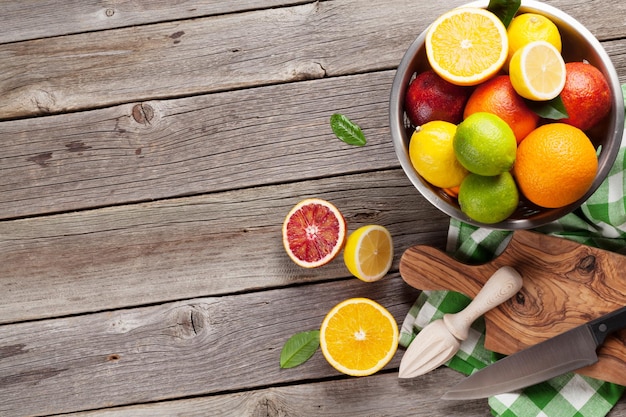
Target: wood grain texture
x=206 y=55
x=210 y=143
x=218 y=53
x=149 y=152
x=31 y=19
x=168 y=148
x=565 y=284
x=168 y=250
x=113 y=358
x=379 y=395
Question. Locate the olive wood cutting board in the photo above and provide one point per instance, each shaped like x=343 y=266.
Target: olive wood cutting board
x=565 y=284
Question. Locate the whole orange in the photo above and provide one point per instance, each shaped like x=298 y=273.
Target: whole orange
x=555 y=165
x=498 y=96
x=586 y=95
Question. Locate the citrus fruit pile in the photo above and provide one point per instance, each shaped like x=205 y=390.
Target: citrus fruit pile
x=482 y=134
x=314 y=233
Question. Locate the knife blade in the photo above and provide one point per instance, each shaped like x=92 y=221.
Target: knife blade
x=563 y=353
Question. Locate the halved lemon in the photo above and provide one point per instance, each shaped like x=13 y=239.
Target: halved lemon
x=467 y=45
x=368 y=253
x=358 y=337
x=537 y=71
x=529 y=27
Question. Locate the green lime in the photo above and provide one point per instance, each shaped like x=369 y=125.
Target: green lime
x=432 y=154
x=488 y=199
x=485 y=144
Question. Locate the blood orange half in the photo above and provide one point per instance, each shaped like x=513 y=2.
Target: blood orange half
x=314 y=232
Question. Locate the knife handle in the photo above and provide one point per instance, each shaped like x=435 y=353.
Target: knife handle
x=502 y=285
x=607 y=324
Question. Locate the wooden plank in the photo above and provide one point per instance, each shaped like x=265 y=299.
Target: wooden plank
x=203 y=55
x=218 y=350
x=112 y=359
x=181 y=248
x=382 y=394
x=216 y=53
x=195 y=347
x=603 y=21
x=124 y=153
x=201 y=144
x=30 y=19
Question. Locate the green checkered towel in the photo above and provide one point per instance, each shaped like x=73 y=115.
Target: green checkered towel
x=599 y=222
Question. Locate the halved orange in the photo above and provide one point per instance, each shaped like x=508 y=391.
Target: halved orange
x=358 y=337
x=467 y=45
x=314 y=232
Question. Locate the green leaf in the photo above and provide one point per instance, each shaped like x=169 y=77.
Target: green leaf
x=552 y=109
x=504 y=9
x=299 y=348
x=624 y=93
x=346 y=130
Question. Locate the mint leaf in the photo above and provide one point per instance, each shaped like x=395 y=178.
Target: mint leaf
x=504 y=9
x=552 y=109
x=346 y=130
x=299 y=348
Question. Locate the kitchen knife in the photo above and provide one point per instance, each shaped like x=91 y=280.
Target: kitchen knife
x=566 y=352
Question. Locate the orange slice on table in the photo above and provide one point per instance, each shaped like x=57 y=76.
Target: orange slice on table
x=537 y=71
x=467 y=45
x=314 y=232
x=358 y=337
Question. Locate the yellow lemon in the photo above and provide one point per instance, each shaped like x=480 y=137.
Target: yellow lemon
x=530 y=27
x=432 y=154
x=368 y=253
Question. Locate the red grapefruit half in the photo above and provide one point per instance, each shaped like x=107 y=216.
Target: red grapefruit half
x=314 y=232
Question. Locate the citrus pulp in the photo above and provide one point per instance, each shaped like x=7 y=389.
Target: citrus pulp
x=368 y=253
x=537 y=71
x=467 y=45
x=358 y=337
x=314 y=232
x=529 y=27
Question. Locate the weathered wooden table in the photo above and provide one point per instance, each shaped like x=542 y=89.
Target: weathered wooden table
x=149 y=151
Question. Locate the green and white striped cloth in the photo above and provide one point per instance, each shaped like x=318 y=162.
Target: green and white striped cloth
x=599 y=222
